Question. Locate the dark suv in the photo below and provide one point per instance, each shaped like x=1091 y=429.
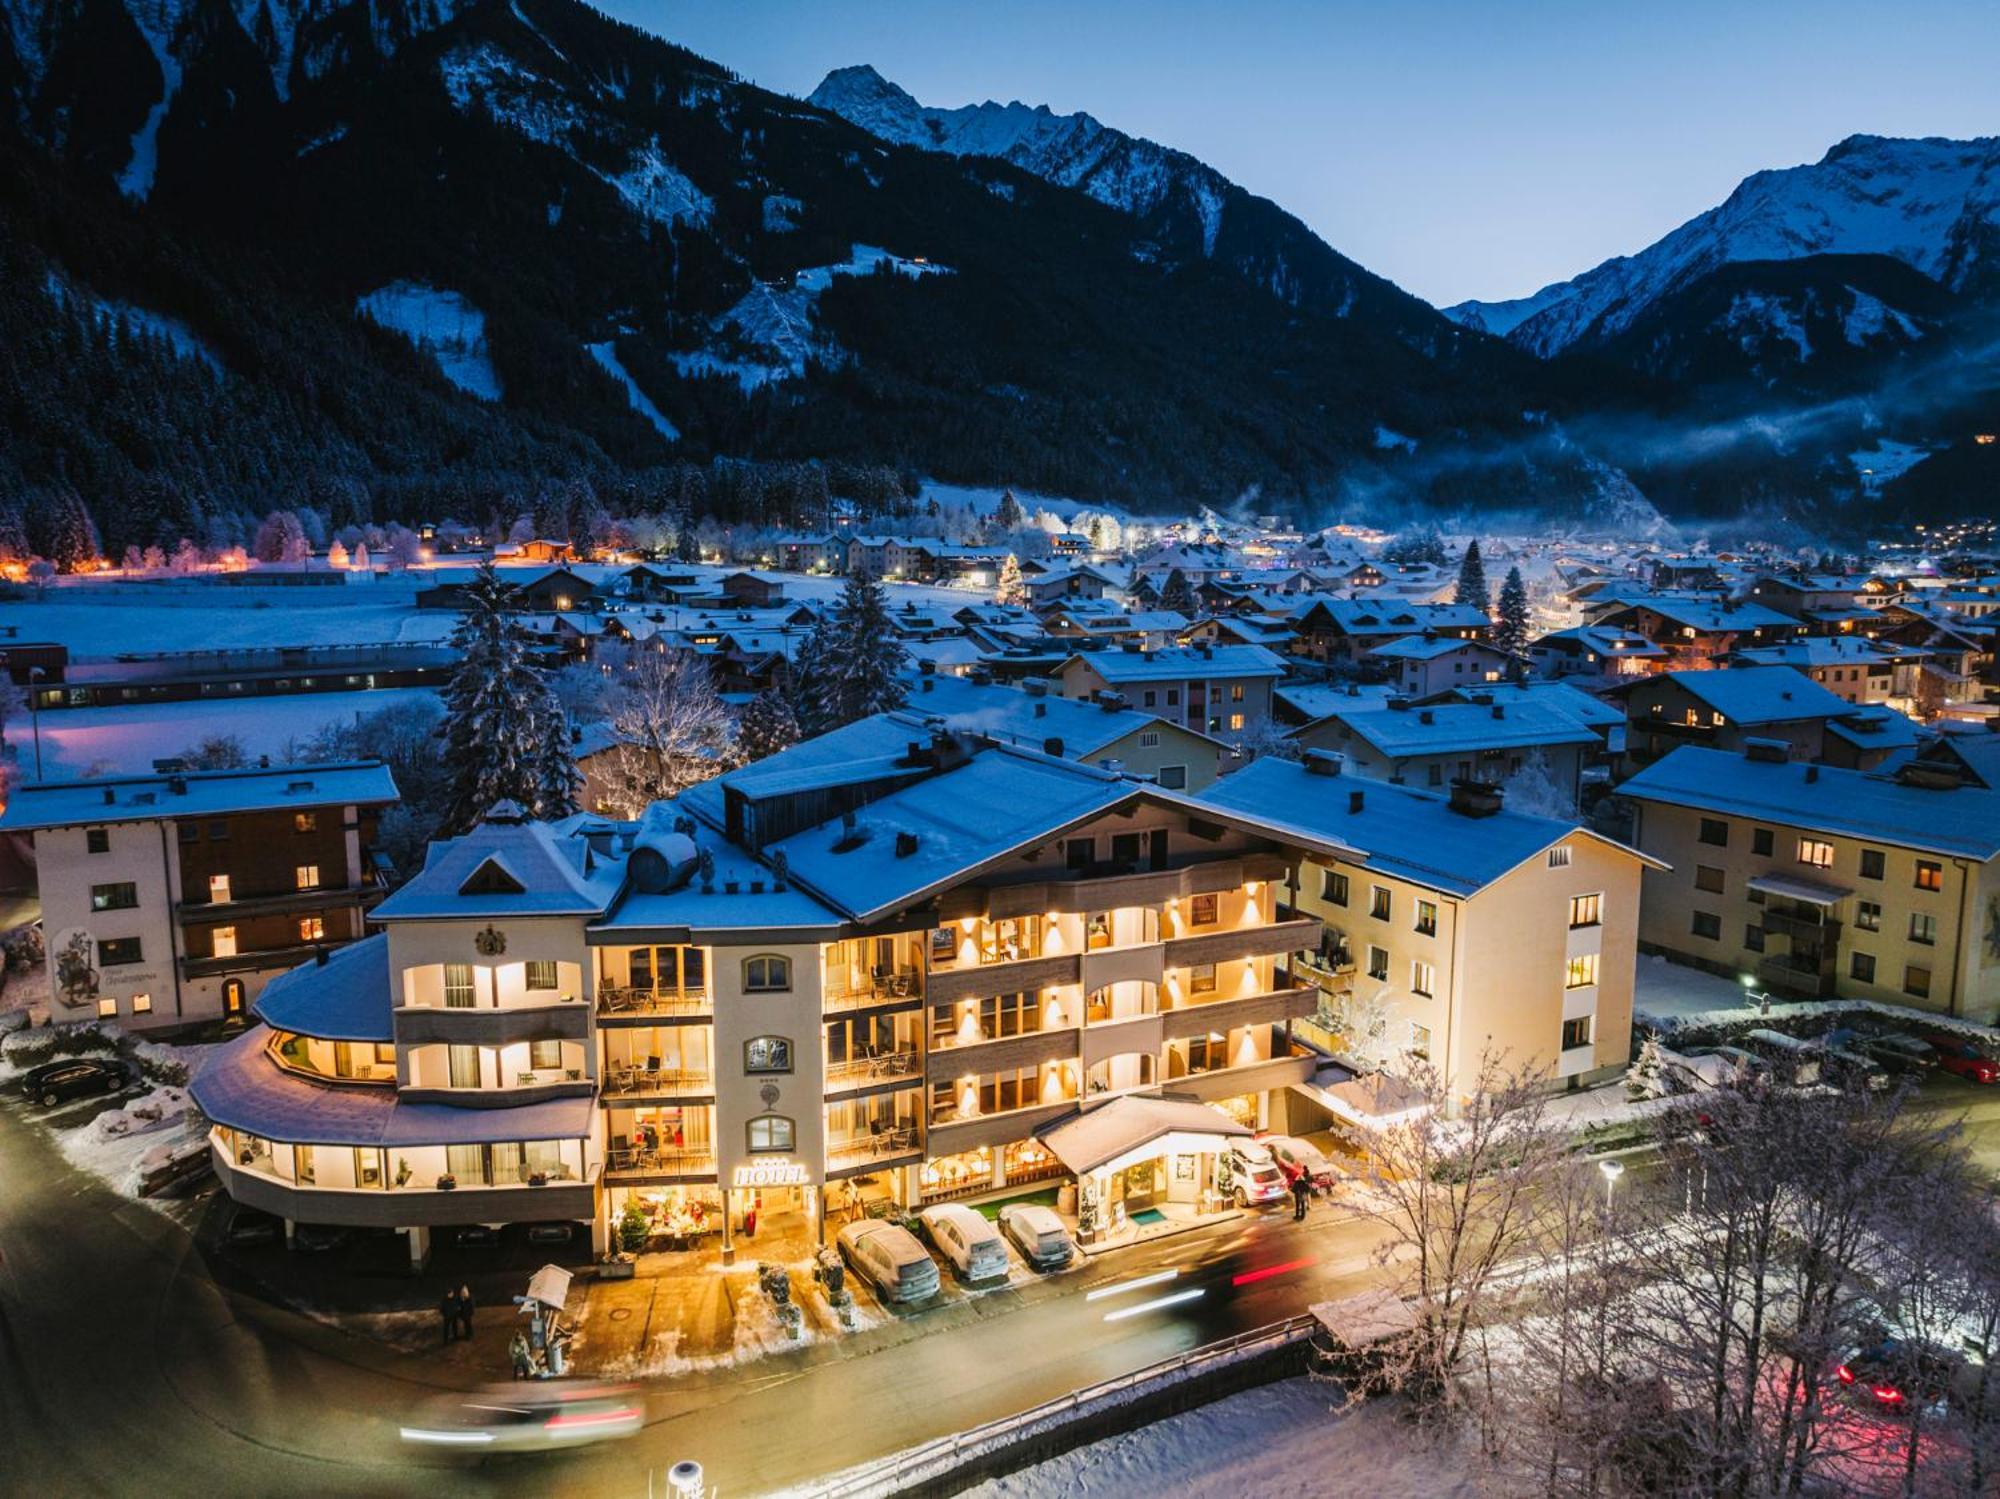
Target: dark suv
x=75 y=1077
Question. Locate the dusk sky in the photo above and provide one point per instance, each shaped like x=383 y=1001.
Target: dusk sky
x=1461 y=149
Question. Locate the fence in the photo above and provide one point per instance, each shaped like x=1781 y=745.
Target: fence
x=1117 y=1404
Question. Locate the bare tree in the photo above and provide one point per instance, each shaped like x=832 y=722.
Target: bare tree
x=670 y=728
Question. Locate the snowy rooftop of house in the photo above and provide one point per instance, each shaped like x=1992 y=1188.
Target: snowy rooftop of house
x=346 y=998
x=1964 y=821
x=1713 y=614
x=1877 y=726
x=1022 y=716
x=1605 y=642
x=1085 y=1141
x=1371 y=616
x=1411 y=834
x=1822 y=650
x=1428 y=647
x=1760 y=694
x=739 y=894
x=509 y=865
x=1178 y=663
x=1446 y=728
x=1063 y=575
x=240 y=1086
x=197 y=793
x=1315 y=700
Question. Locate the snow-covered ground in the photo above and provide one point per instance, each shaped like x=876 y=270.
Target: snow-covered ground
x=88 y=741
x=1664 y=991
x=444 y=325
x=102 y=618
x=1282 y=1439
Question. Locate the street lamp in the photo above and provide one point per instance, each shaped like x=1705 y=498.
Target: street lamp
x=1612 y=1171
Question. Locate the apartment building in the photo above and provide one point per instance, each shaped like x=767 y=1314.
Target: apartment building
x=821 y=981
x=1348 y=629
x=1223 y=690
x=1452 y=924
x=1420 y=665
x=1721 y=709
x=1489 y=736
x=1854 y=669
x=1696 y=633
x=1815 y=882
x=169 y=900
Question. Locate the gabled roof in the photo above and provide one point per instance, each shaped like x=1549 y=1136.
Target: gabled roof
x=1430 y=647
x=1021 y=717
x=1449 y=728
x=1712 y=615
x=1177 y=663
x=1964 y=821
x=1411 y=834
x=1617 y=644
x=552 y=863
x=197 y=793
x=1759 y=694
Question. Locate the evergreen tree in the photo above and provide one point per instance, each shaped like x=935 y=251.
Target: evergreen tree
x=1510 y=630
x=767 y=726
x=1008 y=516
x=1472 y=589
x=505 y=734
x=853 y=661
x=1010 y=589
x=1177 y=595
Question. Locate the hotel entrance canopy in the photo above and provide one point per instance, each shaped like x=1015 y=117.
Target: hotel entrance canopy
x=1127 y=1131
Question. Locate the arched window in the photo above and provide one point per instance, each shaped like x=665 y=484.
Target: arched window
x=767 y=973
x=767 y=1054
x=772 y=1132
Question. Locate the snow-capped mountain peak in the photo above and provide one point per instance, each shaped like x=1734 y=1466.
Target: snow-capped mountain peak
x=1931 y=203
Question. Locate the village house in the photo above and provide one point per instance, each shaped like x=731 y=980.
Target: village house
x=1420 y=665
x=1698 y=632
x=1345 y=630
x=1594 y=655
x=1721 y=709
x=1222 y=690
x=1486 y=738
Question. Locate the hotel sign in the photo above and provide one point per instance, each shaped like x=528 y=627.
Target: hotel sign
x=772 y=1174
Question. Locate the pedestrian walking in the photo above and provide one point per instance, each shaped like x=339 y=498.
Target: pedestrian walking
x=517 y=1350
x=448 y=1314
x=465 y=1304
x=1302 y=1189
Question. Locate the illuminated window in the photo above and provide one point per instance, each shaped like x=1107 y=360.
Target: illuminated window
x=308 y=876
x=122 y=896
x=1427 y=918
x=1585 y=910
x=1816 y=852
x=305 y=822
x=1201 y=978
x=312 y=928
x=142 y=1004
x=767 y=1054
x=772 y=1132
x=1929 y=876
x=1423 y=979
x=1581 y=972
x=541 y=973
x=1202 y=910
x=1379 y=902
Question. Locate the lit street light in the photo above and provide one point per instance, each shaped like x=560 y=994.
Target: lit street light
x=1612 y=1171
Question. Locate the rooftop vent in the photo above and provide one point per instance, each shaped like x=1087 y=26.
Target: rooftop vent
x=1036 y=687
x=1354 y=801
x=178 y=785
x=1041 y=710
x=906 y=844
x=1324 y=762
x=1812 y=774
x=1499 y=710
x=1426 y=716
x=1767 y=751
x=1400 y=704
x=294 y=788
x=1052 y=747
x=110 y=797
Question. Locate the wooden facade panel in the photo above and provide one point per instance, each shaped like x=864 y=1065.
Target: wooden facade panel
x=1228 y=1014
x=994 y=1129
x=1004 y=1055
x=1274 y=940
x=977 y=981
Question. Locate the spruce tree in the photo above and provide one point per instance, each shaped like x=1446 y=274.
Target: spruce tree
x=1510 y=630
x=1472 y=589
x=860 y=662
x=767 y=726
x=1008 y=516
x=505 y=734
x=1011 y=589
x=1177 y=596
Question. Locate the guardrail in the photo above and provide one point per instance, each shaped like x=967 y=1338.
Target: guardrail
x=940 y=1456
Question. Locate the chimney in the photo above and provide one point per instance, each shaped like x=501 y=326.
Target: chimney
x=1812 y=774
x=1036 y=686
x=177 y=785
x=1052 y=747
x=1353 y=802
x=1400 y=704
x=906 y=844
x=1323 y=762
x=1426 y=716
x=110 y=797
x=929 y=678
x=1499 y=710
x=927 y=668
x=1041 y=710
x=1474 y=798
x=319 y=956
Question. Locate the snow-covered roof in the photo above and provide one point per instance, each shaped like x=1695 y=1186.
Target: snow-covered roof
x=1022 y=717
x=1178 y=663
x=1315 y=700
x=240 y=1086
x=1377 y=616
x=509 y=866
x=1963 y=821
x=346 y=998
x=1410 y=834
x=1446 y=728
x=1617 y=644
x=1429 y=647
x=198 y=793
x=1760 y=694
x=1821 y=650
x=1708 y=615
x=1096 y=1137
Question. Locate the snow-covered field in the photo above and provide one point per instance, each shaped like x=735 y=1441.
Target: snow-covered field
x=85 y=741
x=1282 y=1439
x=109 y=618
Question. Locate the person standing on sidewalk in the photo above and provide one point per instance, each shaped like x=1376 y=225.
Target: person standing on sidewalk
x=465 y=1305
x=1302 y=1189
x=448 y=1314
x=518 y=1352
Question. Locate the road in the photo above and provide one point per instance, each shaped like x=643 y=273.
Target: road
x=127 y=1370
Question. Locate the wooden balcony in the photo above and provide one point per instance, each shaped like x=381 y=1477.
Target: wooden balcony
x=626 y=1006
x=883 y=1073
x=1276 y=939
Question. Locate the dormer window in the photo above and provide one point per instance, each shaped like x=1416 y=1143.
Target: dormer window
x=491 y=878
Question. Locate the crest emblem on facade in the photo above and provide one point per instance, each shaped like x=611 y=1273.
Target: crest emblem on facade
x=769 y=1093
x=491 y=943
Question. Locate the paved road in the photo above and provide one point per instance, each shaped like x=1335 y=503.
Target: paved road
x=126 y=1370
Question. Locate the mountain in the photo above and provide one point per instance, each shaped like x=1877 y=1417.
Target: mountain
x=411 y=258
x=1186 y=208
x=1825 y=343
x=1932 y=204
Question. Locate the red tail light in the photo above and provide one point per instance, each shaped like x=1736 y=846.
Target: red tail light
x=1846 y=1374
x=1888 y=1394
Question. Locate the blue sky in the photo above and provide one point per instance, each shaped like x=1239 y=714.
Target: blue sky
x=1461 y=149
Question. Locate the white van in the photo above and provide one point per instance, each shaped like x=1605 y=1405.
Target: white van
x=973 y=1245
x=889 y=1258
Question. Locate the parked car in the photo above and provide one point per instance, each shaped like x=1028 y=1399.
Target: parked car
x=889 y=1258
x=1905 y=1056
x=1850 y=1068
x=967 y=1239
x=1294 y=1158
x=1792 y=1060
x=1958 y=1055
x=1747 y=1065
x=529 y=1417
x=75 y=1077
x=1038 y=1233
x=1256 y=1177
x=1888 y=1375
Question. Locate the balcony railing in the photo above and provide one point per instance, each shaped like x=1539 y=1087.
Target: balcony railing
x=950 y=1113
x=622 y=1079
x=627 y=1001
x=885 y=1067
x=880 y=988
x=881 y=1145
x=637 y=1160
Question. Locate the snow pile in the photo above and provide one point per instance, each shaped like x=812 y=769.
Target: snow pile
x=136 y=181
x=120 y=1144
x=442 y=324
x=606 y=355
